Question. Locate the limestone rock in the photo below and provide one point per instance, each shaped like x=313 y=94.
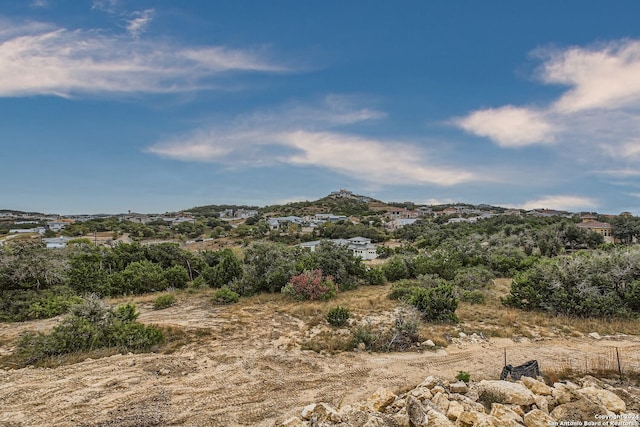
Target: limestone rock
x=437 y=419
x=430 y=382
x=455 y=409
x=536 y=387
x=402 y=418
x=322 y=412
x=595 y=335
x=477 y=419
x=422 y=393
x=459 y=387
x=542 y=402
x=537 y=418
x=379 y=400
x=582 y=409
x=504 y=413
x=564 y=393
x=506 y=392
x=417 y=413
x=441 y=402
x=607 y=398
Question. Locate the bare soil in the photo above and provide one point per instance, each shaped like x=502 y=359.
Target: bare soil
x=242 y=365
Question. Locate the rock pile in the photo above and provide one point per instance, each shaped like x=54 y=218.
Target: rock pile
x=528 y=402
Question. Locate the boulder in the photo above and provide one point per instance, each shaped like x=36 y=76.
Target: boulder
x=441 y=402
x=430 y=382
x=537 y=418
x=536 y=387
x=379 y=400
x=437 y=419
x=422 y=393
x=506 y=392
x=455 y=409
x=564 y=393
x=504 y=413
x=321 y=412
x=582 y=409
x=459 y=387
x=477 y=419
x=607 y=398
x=417 y=413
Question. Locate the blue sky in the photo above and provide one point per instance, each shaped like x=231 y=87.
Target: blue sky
x=154 y=106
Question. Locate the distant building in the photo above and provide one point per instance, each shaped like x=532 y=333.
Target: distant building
x=359 y=246
x=603 y=228
x=57 y=242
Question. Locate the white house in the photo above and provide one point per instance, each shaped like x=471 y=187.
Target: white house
x=57 y=242
x=56 y=225
x=360 y=246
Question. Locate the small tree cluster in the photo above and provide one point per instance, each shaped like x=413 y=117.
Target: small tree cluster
x=311 y=285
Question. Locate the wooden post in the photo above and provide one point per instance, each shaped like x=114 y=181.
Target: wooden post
x=505 y=356
x=619 y=366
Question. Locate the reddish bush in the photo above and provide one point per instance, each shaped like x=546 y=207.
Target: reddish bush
x=311 y=285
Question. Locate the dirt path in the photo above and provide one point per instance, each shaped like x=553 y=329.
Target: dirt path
x=246 y=369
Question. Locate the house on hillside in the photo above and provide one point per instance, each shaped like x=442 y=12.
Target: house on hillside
x=359 y=246
x=57 y=242
x=603 y=228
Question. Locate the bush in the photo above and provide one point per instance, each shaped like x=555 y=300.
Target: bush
x=224 y=296
x=375 y=276
x=472 y=297
x=436 y=304
x=164 y=301
x=176 y=276
x=311 y=285
x=395 y=269
x=89 y=326
x=472 y=278
x=338 y=316
x=463 y=376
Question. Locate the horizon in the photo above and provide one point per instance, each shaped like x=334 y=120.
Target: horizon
x=153 y=106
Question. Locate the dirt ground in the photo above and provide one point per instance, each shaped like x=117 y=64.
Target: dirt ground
x=246 y=368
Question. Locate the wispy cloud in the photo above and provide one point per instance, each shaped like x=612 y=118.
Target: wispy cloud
x=39 y=4
x=139 y=22
x=39 y=59
x=594 y=122
x=286 y=138
x=561 y=202
x=109 y=6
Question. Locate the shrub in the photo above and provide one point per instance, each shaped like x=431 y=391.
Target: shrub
x=311 y=285
x=472 y=297
x=164 y=301
x=436 y=304
x=463 y=376
x=338 y=316
x=395 y=268
x=91 y=325
x=375 y=276
x=472 y=278
x=176 y=276
x=224 y=296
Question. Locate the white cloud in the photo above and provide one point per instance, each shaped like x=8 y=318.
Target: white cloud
x=620 y=173
x=281 y=138
x=561 y=202
x=602 y=77
x=594 y=123
x=40 y=60
x=139 y=22
x=509 y=126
